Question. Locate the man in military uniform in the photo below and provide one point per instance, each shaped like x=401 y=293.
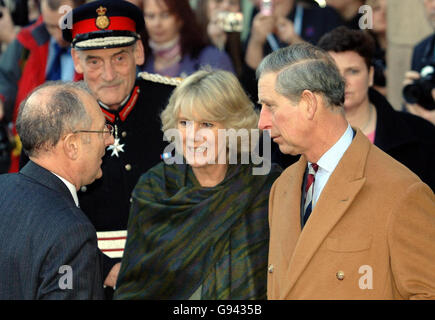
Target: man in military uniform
x=105 y=50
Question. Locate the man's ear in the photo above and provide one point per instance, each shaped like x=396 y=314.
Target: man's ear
x=139 y=53
x=71 y=146
x=310 y=103
x=77 y=62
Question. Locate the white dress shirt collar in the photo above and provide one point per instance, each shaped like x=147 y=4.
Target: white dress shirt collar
x=71 y=188
x=329 y=161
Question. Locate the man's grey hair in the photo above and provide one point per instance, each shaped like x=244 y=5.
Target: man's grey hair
x=42 y=122
x=304 y=67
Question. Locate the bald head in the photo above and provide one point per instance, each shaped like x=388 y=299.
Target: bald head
x=51 y=111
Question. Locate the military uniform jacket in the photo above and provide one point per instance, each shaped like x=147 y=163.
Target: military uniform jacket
x=138 y=146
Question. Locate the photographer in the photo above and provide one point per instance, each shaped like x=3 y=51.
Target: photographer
x=13 y=15
x=222 y=21
x=37 y=54
x=423 y=59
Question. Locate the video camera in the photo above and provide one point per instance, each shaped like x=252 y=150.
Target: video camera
x=420 y=91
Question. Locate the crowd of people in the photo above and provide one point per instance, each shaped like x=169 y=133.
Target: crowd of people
x=149 y=151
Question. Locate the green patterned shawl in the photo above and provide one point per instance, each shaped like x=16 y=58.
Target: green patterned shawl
x=183 y=237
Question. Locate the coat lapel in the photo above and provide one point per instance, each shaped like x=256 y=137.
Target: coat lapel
x=339 y=193
x=288 y=227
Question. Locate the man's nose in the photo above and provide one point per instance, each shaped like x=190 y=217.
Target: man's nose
x=264 y=122
x=109 y=140
x=109 y=72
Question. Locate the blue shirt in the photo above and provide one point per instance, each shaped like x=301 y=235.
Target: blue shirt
x=66 y=62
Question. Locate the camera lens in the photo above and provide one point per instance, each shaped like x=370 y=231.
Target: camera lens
x=412 y=93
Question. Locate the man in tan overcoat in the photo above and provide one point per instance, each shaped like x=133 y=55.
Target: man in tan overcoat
x=347 y=221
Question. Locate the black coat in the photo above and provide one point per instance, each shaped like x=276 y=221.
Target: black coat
x=407 y=138
x=107 y=201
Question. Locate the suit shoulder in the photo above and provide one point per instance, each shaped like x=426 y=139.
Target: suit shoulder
x=382 y=167
x=423 y=43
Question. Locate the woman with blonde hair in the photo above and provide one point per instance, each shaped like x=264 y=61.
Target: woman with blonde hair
x=198 y=229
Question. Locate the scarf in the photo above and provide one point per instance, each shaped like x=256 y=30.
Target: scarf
x=170 y=52
x=184 y=238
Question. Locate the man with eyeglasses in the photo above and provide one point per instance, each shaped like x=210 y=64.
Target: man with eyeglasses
x=105 y=50
x=37 y=54
x=48 y=247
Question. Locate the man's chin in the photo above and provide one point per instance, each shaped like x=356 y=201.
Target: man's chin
x=287 y=150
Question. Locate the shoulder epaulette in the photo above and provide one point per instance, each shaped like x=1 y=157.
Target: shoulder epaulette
x=154 y=77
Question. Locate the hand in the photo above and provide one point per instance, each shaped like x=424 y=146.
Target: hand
x=286 y=32
x=416 y=109
x=410 y=77
x=216 y=34
x=261 y=26
x=112 y=277
x=7 y=28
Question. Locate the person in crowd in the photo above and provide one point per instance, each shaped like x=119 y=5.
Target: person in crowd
x=106 y=52
x=47 y=244
x=348 y=10
x=286 y=22
x=37 y=54
x=407 y=138
x=422 y=56
x=138 y=3
x=222 y=21
x=8 y=30
x=198 y=228
x=379 y=34
x=174 y=43
x=347 y=221
x=14 y=14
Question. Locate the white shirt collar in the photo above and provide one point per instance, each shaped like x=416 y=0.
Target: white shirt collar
x=70 y=187
x=332 y=157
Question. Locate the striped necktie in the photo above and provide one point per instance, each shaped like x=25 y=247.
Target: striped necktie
x=309 y=190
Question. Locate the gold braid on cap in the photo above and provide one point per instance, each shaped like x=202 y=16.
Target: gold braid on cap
x=154 y=77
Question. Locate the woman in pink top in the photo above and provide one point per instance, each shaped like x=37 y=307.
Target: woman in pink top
x=405 y=137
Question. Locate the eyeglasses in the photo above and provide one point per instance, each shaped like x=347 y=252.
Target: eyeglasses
x=106 y=133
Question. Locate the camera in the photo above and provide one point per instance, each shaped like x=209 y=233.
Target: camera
x=266 y=7
x=230 y=21
x=420 y=91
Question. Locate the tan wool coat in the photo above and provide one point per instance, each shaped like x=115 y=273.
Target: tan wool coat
x=371 y=234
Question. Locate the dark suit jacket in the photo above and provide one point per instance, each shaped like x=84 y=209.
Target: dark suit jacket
x=41 y=230
x=423 y=53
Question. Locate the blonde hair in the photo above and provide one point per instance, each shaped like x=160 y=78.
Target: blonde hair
x=212 y=95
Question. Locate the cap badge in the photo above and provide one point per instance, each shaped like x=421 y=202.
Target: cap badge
x=102 y=21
